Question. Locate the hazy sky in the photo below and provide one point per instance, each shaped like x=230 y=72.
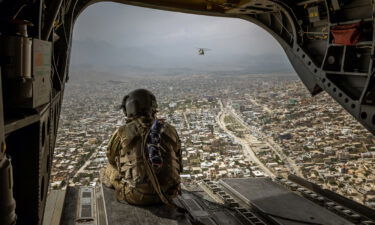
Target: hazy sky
x=169 y=35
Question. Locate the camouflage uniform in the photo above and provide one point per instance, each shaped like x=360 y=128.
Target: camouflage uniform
x=126 y=172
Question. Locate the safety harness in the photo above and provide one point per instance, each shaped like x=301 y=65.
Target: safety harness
x=150 y=167
x=150 y=170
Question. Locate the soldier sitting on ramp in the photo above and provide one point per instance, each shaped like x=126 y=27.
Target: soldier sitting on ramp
x=144 y=154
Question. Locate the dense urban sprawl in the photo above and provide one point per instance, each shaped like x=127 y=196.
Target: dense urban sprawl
x=230 y=126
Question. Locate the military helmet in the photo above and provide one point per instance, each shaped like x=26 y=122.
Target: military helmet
x=139 y=102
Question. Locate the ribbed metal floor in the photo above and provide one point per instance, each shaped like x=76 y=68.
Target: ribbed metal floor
x=125 y=214
x=279 y=204
x=195 y=200
x=109 y=211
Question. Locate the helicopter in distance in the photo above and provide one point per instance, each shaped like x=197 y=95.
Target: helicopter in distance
x=201 y=51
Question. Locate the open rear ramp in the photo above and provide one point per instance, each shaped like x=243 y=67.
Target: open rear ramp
x=232 y=201
x=280 y=205
x=107 y=210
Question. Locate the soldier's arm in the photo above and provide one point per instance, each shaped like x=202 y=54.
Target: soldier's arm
x=113 y=148
x=172 y=134
x=178 y=148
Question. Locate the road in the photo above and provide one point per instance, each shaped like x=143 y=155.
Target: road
x=186 y=121
x=83 y=167
x=289 y=163
x=80 y=170
x=249 y=153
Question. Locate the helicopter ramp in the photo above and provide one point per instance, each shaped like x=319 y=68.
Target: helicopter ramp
x=232 y=201
x=279 y=204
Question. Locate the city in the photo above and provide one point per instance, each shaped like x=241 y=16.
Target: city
x=230 y=126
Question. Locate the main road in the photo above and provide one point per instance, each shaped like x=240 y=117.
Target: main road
x=274 y=146
x=248 y=151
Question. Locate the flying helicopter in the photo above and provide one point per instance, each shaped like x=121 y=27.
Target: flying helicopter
x=201 y=51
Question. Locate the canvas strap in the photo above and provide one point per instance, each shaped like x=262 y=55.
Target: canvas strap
x=155 y=183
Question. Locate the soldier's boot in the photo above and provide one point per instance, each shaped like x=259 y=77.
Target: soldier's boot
x=104 y=176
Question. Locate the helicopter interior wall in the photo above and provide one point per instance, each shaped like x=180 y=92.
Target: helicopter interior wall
x=308 y=61
x=25 y=160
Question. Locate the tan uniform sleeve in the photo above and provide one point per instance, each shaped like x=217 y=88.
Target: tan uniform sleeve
x=172 y=134
x=113 y=148
x=178 y=148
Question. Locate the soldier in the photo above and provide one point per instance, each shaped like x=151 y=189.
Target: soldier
x=144 y=154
